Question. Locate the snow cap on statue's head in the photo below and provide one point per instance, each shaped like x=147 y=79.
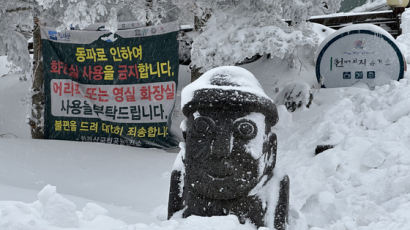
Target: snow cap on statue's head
x=228 y=87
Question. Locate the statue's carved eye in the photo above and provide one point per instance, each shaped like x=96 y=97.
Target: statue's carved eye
x=245 y=129
x=203 y=125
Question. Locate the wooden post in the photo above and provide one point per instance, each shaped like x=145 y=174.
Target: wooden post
x=36 y=121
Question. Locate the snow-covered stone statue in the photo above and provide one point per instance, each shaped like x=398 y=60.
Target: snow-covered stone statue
x=226 y=164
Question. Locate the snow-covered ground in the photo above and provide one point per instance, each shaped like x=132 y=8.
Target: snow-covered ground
x=363 y=183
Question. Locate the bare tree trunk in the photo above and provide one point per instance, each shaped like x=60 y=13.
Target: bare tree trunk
x=198 y=24
x=149 y=5
x=37 y=110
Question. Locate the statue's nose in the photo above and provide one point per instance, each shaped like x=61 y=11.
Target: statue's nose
x=221 y=145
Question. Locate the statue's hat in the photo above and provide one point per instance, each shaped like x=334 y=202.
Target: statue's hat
x=228 y=87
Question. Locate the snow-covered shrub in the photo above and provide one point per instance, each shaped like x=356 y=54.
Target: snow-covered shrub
x=16 y=19
x=240 y=29
x=295 y=95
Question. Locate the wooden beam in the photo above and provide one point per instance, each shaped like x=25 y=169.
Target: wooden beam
x=389 y=19
x=353 y=18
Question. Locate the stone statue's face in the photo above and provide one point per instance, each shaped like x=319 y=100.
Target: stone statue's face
x=219 y=162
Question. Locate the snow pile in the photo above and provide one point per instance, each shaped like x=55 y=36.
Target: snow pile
x=371 y=5
x=364 y=181
x=405 y=21
x=56 y=209
x=404 y=39
x=53 y=211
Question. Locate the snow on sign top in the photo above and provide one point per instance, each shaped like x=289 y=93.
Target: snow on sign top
x=224 y=78
x=362 y=53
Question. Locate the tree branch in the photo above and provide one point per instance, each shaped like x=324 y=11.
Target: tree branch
x=18 y=9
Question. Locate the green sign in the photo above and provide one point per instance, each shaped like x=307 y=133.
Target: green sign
x=111 y=88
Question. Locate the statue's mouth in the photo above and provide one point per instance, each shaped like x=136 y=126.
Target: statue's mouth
x=219 y=178
x=219 y=170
